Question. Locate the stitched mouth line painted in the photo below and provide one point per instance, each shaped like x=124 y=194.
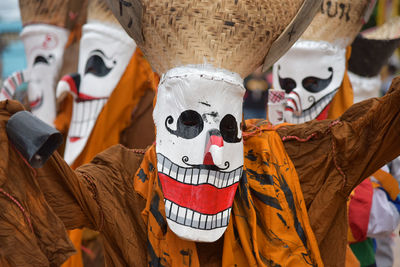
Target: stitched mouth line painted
x=314 y=111
x=193 y=219
x=195 y=176
x=84 y=116
x=37 y=103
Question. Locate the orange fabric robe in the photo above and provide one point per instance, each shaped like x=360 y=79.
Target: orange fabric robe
x=115 y=117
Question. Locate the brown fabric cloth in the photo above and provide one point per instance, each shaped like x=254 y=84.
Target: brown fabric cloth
x=338 y=158
x=142 y=118
x=330 y=161
x=31 y=234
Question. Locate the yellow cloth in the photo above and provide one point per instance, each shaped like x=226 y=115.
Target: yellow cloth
x=384 y=9
x=115 y=117
x=269 y=223
x=351 y=259
x=388 y=182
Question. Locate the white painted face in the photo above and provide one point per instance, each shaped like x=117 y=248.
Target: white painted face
x=44 y=48
x=199 y=148
x=310 y=73
x=105 y=52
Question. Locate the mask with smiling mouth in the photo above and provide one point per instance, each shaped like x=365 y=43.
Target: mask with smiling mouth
x=44 y=48
x=313 y=70
x=199 y=148
x=105 y=51
x=204 y=49
x=311 y=86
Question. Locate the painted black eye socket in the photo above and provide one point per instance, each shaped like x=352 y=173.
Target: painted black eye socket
x=315 y=85
x=229 y=129
x=287 y=84
x=96 y=66
x=41 y=59
x=189 y=125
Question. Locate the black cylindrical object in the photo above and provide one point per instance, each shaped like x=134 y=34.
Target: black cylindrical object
x=35 y=139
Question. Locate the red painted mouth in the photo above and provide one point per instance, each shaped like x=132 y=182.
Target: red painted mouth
x=204 y=198
x=74 y=139
x=324 y=113
x=36 y=103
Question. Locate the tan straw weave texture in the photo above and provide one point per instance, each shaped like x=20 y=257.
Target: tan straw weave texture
x=62 y=13
x=388 y=31
x=339 y=21
x=234 y=35
x=98 y=11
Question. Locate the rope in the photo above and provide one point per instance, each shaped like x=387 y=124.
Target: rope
x=28 y=220
x=293 y=137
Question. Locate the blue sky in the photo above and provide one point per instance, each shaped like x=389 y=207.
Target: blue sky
x=9 y=10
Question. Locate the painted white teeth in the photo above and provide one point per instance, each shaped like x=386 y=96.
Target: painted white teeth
x=315 y=110
x=203 y=176
x=181 y=215
x=84 y=116
x=189 y=217
x=181 y=175
x=194 y=176
x=173 y=213
x=195 y=219
x=211 y=177
x=188 y=176
x=225 y=217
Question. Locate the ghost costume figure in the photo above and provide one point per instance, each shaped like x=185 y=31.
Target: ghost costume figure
x=44 y=48
x=313 y=71
x=105 y=51
x=198 y=112
x=309 y=87
x=45 y=34
x=189 y=114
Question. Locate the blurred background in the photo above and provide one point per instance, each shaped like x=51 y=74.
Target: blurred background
x=12 y=54
x=258 y=83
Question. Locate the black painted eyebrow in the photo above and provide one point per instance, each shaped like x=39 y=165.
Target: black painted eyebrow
x=100 y=52
x=205 y=104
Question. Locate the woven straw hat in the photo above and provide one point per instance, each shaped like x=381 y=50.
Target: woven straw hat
x=372 y=48
x=338 y=22
x=98 y=11
x=235 y=35
x=62 y=13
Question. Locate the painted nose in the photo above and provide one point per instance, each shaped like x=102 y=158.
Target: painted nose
x=293 y=103
x=213 y=154
x=69 y=83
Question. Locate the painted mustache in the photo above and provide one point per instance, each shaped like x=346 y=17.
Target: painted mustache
x=42 y=59
x=185 y=160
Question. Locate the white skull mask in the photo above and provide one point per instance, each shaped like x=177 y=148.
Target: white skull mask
x=310 y=73
x=105 y=52
x=199 y=148
x=44 y=48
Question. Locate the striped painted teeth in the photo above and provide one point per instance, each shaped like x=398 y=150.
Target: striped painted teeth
x=193 y=219
x=195 y=176
x=84 y=116
x=313 y=111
